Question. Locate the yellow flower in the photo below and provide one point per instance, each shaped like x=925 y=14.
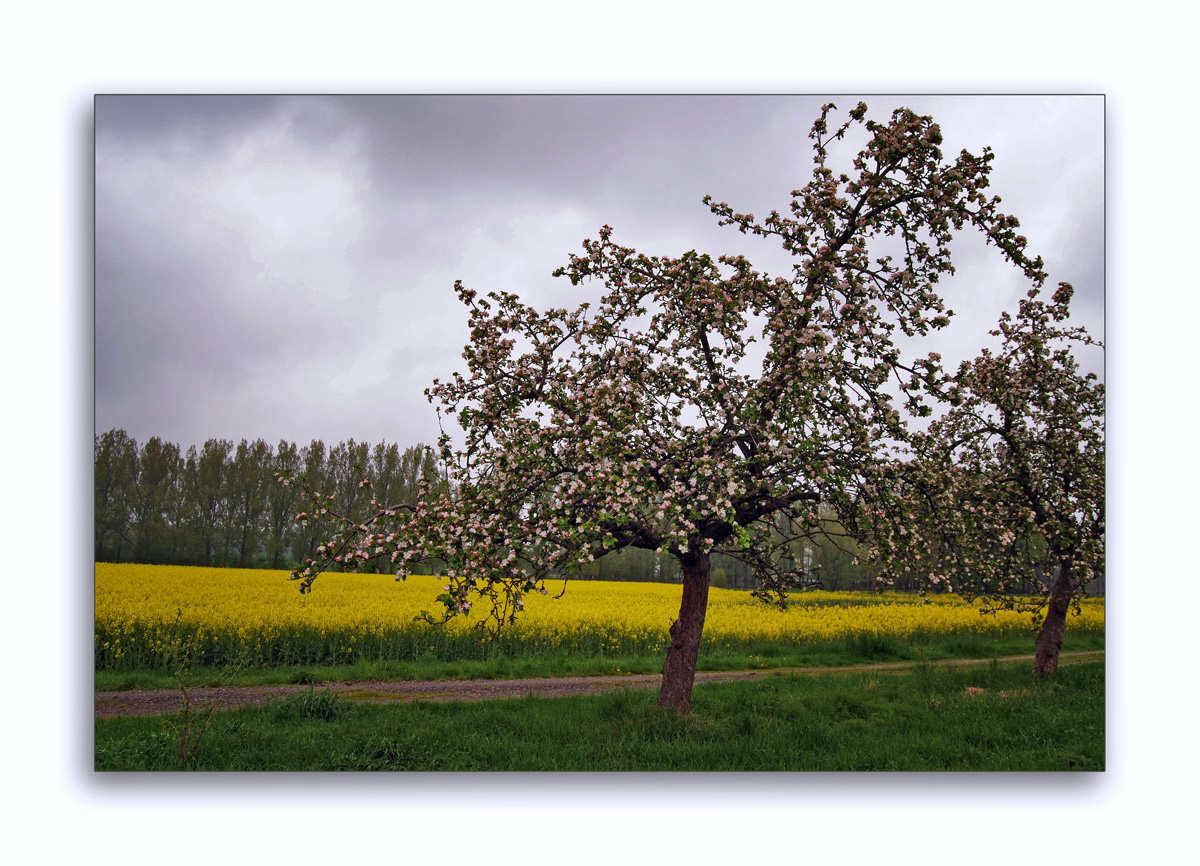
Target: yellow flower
x=142 y=608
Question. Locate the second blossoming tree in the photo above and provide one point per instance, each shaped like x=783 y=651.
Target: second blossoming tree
x=1005 y=491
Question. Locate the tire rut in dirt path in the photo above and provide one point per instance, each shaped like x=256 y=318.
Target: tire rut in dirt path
x=161 y=701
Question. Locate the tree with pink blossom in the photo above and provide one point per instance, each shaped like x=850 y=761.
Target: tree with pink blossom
x=641 y=420
x=1006 y=489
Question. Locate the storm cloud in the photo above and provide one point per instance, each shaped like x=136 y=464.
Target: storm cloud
x=283 y=267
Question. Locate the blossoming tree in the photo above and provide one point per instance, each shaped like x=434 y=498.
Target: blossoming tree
x=641 y=421
x=1007 y=488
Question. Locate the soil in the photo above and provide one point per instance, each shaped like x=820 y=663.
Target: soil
x=152 y=702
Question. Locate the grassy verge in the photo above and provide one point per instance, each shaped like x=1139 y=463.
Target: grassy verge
x=560 y=663
x=990 y=717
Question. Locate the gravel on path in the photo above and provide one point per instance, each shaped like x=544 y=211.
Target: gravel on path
x=152 y=702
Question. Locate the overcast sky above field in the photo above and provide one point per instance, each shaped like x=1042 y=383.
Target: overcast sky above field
x=283 y=267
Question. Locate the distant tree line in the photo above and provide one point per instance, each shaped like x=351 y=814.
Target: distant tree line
x=220 y=505
x=827 y=558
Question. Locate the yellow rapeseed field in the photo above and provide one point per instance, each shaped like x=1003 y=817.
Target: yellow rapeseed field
x=261 y=618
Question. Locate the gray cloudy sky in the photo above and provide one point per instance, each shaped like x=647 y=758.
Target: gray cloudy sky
x=283 y=267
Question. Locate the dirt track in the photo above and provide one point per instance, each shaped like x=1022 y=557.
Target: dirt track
x=160 y=701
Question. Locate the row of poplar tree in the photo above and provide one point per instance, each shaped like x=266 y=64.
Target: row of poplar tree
x=220 y=505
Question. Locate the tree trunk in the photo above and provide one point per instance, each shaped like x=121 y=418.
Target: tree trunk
x=680 y=669
x=1050 y=638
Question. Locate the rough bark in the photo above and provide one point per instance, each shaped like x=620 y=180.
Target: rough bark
x=1050 y=638
x=680 y=669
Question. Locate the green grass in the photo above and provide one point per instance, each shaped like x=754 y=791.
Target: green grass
x=560 y=663
x=987 y=717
